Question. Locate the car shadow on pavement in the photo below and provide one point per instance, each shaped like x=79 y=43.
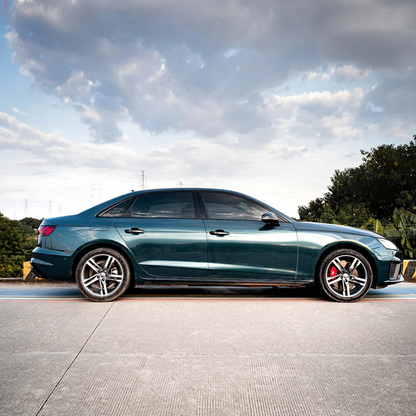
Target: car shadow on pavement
x=240 y=292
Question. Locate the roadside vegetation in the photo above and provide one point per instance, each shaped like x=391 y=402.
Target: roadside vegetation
x=378 y=195
x=17 y=240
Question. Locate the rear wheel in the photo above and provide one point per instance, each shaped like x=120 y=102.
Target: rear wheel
x=345 y=275
x=103 y=275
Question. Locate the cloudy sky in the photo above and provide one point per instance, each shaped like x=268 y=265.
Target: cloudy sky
x=267 y=97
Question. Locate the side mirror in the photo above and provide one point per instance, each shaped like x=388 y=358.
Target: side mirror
x=270 y=218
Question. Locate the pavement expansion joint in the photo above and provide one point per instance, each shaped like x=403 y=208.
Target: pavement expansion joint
x=73 y=361
x=181 y=355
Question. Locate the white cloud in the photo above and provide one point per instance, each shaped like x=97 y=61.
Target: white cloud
x=373 y=108
x=17 y=111
x=187 y=66
x=340 y=73
x=341 y=127
x=198 y=157
x=320 y=116
x=198 y=162
x=350 y=72
x=317 y=75
x=210 y=93
x=57 y=150
x=324 y=98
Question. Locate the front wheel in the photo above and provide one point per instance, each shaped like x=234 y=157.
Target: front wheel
x=103 y=275
x=345 y=275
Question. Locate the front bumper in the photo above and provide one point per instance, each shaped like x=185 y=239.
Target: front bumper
x=399 y=279
x=396 y=270
x=394 y=273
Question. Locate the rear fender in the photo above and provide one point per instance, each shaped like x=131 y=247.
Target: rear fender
x=109 y=244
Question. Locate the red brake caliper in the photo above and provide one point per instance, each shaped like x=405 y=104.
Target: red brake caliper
x=333 y=272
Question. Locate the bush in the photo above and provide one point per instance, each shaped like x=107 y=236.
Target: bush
x=17 y=240
x=11 y=266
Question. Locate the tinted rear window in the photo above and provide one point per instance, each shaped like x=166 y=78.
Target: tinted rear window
x=164 y=205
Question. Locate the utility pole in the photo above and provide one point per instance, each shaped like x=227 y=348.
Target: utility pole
x=50 y=207
x=26 y=207
x=142 y=183
x=96 y=191
x=180 y=184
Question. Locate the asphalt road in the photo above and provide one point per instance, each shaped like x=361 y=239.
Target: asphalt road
x=206 y=351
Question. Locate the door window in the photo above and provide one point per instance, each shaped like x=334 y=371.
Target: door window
x=164 y=205
x=222 y=206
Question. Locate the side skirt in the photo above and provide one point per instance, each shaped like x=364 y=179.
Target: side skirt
x=254 y=283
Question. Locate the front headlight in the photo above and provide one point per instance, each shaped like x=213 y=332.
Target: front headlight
x=388 y=244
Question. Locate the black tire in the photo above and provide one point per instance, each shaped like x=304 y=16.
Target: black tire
x=132 y=286
x=345 y=275
x=103 y=275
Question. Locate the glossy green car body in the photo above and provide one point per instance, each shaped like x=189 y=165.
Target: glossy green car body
x=199 y=247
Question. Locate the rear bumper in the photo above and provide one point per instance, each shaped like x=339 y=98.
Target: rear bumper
x=37 y=270
x=50 y=264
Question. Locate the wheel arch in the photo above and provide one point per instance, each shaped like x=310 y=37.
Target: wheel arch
x=102 y=244
x=360 y=249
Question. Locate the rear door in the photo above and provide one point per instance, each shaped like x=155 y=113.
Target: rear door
x=166 y=234
x=243 y=248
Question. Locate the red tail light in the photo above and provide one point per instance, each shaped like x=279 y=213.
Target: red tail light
x=45 y=230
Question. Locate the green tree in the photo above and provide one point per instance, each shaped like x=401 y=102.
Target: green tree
x=17 y=240
x=406 y=201
x=389 y=172
x=386 y=176
x=29 y=226
x=402 y=231
x=385 y=179
x=374 y=225
x=313 y=211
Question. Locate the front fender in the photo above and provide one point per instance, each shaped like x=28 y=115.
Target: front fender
x=313 y=246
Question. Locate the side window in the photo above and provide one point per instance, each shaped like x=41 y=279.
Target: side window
x=221 y=206
x=164 y=205
x=117 y=210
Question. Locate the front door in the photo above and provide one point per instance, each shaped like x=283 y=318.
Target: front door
x=243 y=248
x=166 y=235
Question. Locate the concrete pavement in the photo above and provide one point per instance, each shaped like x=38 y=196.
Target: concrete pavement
x=214 y=351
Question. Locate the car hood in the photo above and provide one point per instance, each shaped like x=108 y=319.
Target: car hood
x=333 y=228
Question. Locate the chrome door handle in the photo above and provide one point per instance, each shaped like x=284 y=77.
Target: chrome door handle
x=219 y=233
x=134 y=231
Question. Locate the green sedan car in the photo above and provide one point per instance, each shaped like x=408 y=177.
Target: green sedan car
x=208 y=237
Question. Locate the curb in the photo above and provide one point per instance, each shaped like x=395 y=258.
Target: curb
x=36 y=281
x=11 y=279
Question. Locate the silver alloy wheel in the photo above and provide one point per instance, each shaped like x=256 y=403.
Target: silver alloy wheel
x=102 y=275
x=346 y=276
